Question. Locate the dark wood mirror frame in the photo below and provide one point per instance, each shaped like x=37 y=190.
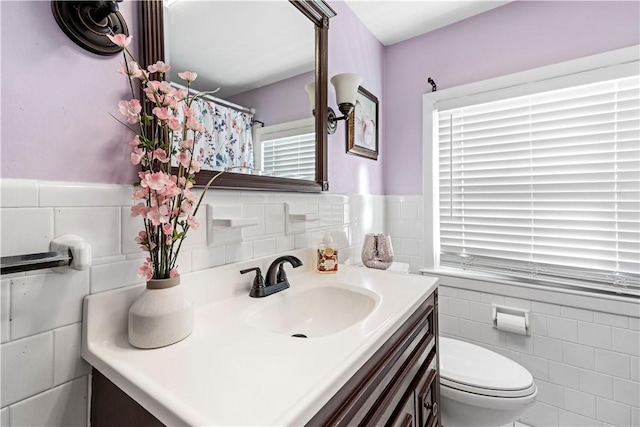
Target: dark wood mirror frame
x=319 y=12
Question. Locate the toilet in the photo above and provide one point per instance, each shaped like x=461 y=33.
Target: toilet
x=479 y=387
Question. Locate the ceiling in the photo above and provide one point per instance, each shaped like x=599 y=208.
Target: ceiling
x=394 y=21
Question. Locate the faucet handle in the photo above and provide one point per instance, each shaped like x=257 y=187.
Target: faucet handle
x=258 y=281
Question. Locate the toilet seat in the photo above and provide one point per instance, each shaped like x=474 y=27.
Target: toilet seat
x=469 y=368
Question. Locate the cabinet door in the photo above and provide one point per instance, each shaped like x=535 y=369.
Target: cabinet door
x=427 y=388
x=405 y=414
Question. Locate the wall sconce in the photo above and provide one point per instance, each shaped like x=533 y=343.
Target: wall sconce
x=346 y=86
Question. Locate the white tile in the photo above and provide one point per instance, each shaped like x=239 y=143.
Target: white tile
x=569 y=419
x=634 y=323
x=130 y=227
x=459 y=308
x=537 y=366
x=5 y=420
x=550 y=393
x=254 y=211
x=538 y=324
x=611 y=319
x=305 y=240
x=5 y=304
x=285 y=244
x=264 y=247
x=106 y=277
x=274 y=219
x=565 y=375
x=100 y=227
x=616 y=364
x=206 y=258
x=635 y=368
x=470 y=295
x=443 y=304
x=27 y=367
x=545 y=308
x=58 y=298
x=448 y=291
x=594 y=335
x=491 y=335
x=635 y=416
x=517 y=342
x=548 y=348
x=541 y=414
x=73 y=194
x=18 y=193
x=613 y=412
x=65 y=405
x=626 y=341
x=625 y=391
x=68 y=364
x=513 y=355
x=25 y=230
x=581 y=403
x=238 y=252
x=577 y=314
x=517 y=303
x=563 y=329
x=449 y=325
x=470 y=330
x=492 y=299
x=393 y=210
x=595 y=383
x=409 y=210
x=579 y=355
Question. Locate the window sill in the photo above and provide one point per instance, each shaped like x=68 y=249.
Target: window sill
x=590 y=300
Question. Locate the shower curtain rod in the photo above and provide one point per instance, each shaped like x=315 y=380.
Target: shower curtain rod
x=218 y=100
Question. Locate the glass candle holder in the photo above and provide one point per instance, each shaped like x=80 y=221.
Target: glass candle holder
x=377 y=251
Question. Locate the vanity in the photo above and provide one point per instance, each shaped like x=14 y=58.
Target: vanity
x=354 y=348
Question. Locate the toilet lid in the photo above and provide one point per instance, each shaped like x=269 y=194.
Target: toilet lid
x=469 y=367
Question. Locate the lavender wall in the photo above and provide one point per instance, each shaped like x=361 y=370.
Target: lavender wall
x=56 y=100
x=515 y=37
x=280 y=102
x=353 y=49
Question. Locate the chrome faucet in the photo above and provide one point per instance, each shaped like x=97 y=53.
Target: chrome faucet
x=276 y=277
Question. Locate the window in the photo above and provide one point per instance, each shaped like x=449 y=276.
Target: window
x=544 y=186
x=288 y=150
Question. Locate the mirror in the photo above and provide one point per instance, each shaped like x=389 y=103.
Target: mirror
x=163 y=27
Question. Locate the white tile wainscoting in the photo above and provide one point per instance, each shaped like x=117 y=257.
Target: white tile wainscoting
x=583 y=354
x=44 y=381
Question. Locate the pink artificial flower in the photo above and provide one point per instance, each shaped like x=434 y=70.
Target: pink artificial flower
x=167 y=229
x=174 y=272
x=139 y=209
x=131 y=69
x=156 y=181
x=156 y=217
x=168 y=240
x=195 y=166
x=181 y=94
x=188 y=144
x=140 y=193
x=186 y=207
x=120 y=40
x=135 y=141
x=184 y=159
x=131 y=109
x=161 y=113
x=193 y=222
x=190 y=195
x=146 y=271
x=159 y=67
x=136 y=156
x=193 y=124
x=174 y=124
x=141 y=237
x=167 y=88
x=188 y=112
x=188 y=76
x=161 y=155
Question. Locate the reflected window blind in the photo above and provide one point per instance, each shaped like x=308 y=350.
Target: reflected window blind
x=291 y=157
x=545 y=186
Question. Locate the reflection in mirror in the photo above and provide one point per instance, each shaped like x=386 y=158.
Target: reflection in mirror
x=260 y=54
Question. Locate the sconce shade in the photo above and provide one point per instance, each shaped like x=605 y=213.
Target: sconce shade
x=346 y=85
x=311 y=90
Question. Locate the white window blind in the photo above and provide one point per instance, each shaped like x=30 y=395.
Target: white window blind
x=545 y=186
x=290 y=157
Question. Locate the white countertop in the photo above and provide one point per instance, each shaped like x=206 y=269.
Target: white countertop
x=230 y=373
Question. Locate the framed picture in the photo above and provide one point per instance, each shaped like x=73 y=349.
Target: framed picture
x=362 y=126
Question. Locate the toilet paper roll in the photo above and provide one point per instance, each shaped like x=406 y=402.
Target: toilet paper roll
x=511 y=323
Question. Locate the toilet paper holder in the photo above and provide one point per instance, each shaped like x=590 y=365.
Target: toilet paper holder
x=511 y=319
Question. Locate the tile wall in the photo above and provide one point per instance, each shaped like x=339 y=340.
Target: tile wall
x=585 y=362
x=43 y=379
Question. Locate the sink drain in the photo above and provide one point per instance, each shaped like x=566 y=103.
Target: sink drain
x=299 y=336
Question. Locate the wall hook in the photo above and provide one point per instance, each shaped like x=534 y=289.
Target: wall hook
x=87 y=23
x=432 y=83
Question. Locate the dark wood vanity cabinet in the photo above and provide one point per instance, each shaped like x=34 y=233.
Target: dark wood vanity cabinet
x=399 y=386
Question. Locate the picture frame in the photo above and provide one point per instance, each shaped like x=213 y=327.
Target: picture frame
x=363 y=126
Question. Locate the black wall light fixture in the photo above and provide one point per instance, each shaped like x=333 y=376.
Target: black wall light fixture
x=87 y=23
x=346 y=86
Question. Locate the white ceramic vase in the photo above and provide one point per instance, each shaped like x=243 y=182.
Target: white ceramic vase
x=161 y=316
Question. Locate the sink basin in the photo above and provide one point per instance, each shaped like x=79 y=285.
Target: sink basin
x=314 y=312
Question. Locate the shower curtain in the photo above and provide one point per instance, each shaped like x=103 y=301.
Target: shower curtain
x=226 y=140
